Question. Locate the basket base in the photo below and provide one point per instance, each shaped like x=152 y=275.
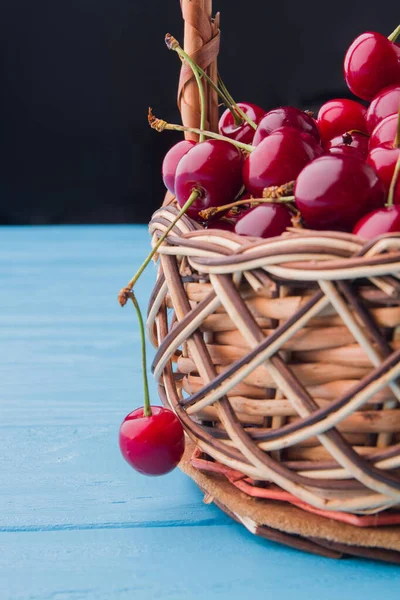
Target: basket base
x=287 y=524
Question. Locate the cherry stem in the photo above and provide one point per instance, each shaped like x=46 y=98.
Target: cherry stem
x=395 y=34
x=127 y=292
x=173 y=44
x=393 y=182
x=396 y=142
x=237 y=108
x=351 y=131
x=238 y=114
x=208 y=213
x=159 y=125
x=202 y=103
x=146 y=406
x=193 y=196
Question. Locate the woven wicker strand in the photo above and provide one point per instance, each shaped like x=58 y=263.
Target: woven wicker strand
x=296 y=389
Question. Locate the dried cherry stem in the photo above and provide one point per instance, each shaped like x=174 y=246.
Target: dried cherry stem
x=208 y=213
x=234 y=104
x=160 y=125
x=394 y=182
x=395 y=34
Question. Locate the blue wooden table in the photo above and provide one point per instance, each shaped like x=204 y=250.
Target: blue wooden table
x=76 y=522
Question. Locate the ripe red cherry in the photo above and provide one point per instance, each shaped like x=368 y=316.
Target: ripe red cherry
x=265 y=220
x=383 y=160
x=386 y=103
x=377 y=222
x=355 y=140
x=242 y=133
x=371 y=64
x=334 y=192
x=278 y=159
x=317 y=149
x=171 y=160
x=285 y=116
x=384 y=132
x=214 y=169
x=152 y=445
x=340 y=115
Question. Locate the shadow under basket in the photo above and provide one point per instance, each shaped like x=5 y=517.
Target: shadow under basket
x=281 y=359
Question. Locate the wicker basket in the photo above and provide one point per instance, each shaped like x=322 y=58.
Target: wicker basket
x=281 y=356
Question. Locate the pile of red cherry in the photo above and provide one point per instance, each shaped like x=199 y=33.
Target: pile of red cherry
x=342 y=163
x=335 y=172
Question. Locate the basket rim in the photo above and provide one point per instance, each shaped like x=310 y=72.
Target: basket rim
x=296 y=255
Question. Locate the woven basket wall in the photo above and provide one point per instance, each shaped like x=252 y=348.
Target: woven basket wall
x=281 y=356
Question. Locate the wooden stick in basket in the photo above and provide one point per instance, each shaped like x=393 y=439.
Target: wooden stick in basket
x=201 y=42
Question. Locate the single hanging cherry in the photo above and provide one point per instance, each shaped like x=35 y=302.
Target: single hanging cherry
x=151 y=438
x=152 y=445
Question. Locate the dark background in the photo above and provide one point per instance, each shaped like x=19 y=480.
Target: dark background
x=77 y=77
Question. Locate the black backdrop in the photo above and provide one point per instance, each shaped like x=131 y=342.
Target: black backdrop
x=77 y=76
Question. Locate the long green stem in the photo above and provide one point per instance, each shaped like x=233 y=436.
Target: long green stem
x=128 y=293
x=193 y=196
x=195 y=70
x=393 y=183
x=395 y=34
x=160 y=125
x=238 y=114
x=202 y=104
x=234 y=104
x=146 y=405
